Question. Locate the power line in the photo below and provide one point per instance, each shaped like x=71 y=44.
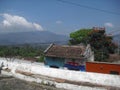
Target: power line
x=88 y=7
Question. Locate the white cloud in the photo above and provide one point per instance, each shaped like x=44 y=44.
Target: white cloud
x=59 y=22
x=14 y=21
x=37 y=26
x=108 y=24
x=6 y=23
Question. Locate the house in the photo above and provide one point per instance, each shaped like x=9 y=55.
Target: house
x=71 y=57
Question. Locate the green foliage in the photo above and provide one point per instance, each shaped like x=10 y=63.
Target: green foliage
x=79 y=36
x=99 y=41
x=101 y=44
x=25 y=51
x=101 y=55
x=41 y=59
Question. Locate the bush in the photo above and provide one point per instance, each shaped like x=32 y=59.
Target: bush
x=41 y=59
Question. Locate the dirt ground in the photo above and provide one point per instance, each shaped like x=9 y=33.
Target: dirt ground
x=16 y=84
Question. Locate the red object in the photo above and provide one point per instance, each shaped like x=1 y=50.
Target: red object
x=73 y=63
x=105 y=68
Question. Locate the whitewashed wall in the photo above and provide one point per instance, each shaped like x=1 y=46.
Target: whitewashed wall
x=36 y=68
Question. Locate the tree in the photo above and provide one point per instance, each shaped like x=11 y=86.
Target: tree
x=101 y=43
x=26 y=51
x=41 y=59
x=79 y=36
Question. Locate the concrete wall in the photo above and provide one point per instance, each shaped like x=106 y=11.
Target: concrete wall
x=102 y=67
x=65 y=86
x=89 y=54
x=103 y=79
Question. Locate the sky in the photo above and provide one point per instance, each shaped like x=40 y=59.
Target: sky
x=59 y=16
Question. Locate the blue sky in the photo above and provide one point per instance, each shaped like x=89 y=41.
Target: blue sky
x=58 y=17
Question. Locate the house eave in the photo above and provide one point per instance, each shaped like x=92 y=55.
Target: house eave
x=65 y=57
x=48 y=47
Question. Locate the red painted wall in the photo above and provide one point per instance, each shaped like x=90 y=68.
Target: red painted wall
x=105 y=68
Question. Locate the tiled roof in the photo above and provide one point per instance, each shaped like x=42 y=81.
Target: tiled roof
x=65 y=51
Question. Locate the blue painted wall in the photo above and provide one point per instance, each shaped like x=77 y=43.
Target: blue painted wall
x=72 y=67
x=59 y=62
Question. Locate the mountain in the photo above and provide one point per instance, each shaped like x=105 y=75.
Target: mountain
x=32 y=37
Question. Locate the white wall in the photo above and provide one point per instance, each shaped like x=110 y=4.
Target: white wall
x=51 y=83
x=36 y=68
x=89 y=54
